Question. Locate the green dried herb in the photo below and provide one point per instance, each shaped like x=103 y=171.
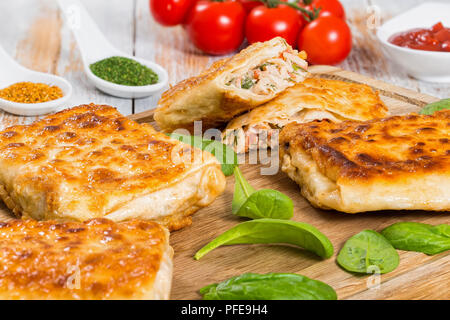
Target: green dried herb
x=124 y=71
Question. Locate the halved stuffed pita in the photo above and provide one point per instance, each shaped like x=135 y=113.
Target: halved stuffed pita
x=313 y=99
x=232 y=86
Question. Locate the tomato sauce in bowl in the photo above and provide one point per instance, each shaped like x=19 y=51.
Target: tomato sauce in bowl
x=437 y=38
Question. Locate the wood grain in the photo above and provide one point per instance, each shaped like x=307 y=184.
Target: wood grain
x=33 y=33
x=367 y=57
x=407 y=281
x=410 y=280
x=37 y=37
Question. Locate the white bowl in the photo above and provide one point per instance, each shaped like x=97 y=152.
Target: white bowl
x=95 y=47
x=123 y=91
x=12 y=72
x=424 y=65
x=36 y=109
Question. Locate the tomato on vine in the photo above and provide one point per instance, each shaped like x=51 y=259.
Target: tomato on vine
x=170 y=12
x=267 y=22
x=326 y=7
x=216 y=27
x=326 y=40
x=249 y=5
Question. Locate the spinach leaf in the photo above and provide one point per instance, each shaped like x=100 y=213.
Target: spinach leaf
x=265 y=203
x=366 y=250
x=242 y=190
x=226 y=156
x=436 y=106
x=271 y=286
x=420 y=237
x=273 y=231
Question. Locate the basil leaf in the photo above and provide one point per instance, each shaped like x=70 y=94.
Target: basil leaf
x=420 y=237
x=226 y=156
x=271 y=286
x=436 y=106
x=273 y=231
x=366 y=250
x=265 y=203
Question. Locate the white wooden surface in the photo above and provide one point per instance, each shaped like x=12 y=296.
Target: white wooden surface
x=33 y=32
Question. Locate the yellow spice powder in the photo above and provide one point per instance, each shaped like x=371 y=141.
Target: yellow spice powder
x=30 y=92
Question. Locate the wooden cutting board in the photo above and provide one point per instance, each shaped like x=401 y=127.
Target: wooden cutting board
x=418 y=276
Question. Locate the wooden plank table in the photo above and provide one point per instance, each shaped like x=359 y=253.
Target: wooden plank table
x=33 y=32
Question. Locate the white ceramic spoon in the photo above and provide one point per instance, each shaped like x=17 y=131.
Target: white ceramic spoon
x=12 y=72
x=94 y=47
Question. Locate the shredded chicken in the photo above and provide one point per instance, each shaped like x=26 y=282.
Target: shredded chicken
x=262 y=135
x=259 y=136
x=274 y=75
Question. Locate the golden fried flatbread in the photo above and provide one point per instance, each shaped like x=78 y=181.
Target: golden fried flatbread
x=90 y=161
x=309 y=100
x=96 y=259
x=232 y=86
x=396 y=163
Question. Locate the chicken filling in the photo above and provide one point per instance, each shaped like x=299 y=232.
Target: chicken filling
x=273 y=75
x=265 y=134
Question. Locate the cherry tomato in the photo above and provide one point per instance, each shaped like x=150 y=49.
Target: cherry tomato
x=326 y=40
x=265 y=23
x=328 y=7
x=249 y=5
x=216 y=27
x=170 y=12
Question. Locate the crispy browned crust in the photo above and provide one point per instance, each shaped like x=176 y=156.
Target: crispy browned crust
x=210 y=73
x=96 y=259
x=87 y=162
x=230 y=104
x=345 y=100
x=389 y=148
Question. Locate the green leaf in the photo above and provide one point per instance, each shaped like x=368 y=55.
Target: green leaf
x=242 y=191
x=271 y=286
x=265 y=203
x=419 y=237
x=436 y=106
x=224 y=154
x=368 y=250
x=273 y=231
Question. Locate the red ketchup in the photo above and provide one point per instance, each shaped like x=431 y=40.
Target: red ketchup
x=435 y=39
